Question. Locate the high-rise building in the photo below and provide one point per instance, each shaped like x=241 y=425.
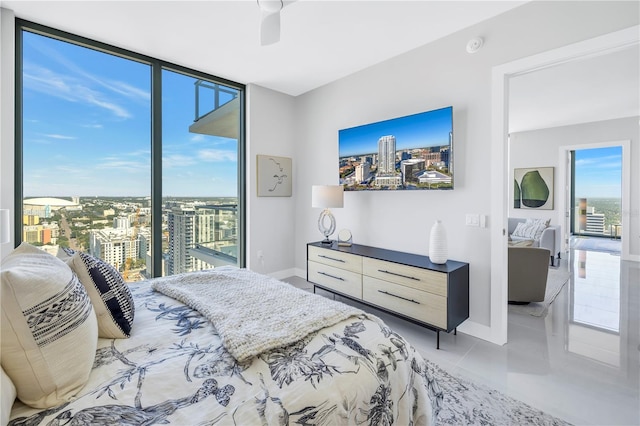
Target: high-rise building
x=195 y=231
x=411 y=168
x=386 y=175
x=187 y=228
x=114 y=246
x=180 y=224
x=387 y=155
x=121 y=222
x=595 y=222
x=362 y=172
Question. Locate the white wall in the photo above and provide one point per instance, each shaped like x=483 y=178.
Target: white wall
x=270 y=131
x=433 y=76
x=541 y=148
x=7 y=42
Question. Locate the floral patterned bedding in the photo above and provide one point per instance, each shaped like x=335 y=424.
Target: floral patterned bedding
x=174 y=370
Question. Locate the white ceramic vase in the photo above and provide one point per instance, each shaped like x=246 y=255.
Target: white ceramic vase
x=438 y=243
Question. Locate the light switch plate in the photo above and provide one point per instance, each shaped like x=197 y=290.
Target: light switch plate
x=472 y=219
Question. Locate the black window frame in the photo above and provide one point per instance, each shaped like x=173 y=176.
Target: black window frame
x=157 y=66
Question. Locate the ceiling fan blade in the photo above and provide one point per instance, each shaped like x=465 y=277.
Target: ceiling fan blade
x=270 y=21
x=270 y=28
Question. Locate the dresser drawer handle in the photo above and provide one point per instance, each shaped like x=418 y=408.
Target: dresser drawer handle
x=331 y=258
x=399 y=297
x=331 y=276
x=398 y=275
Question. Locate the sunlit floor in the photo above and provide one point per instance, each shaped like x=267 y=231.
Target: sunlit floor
x=581 y=362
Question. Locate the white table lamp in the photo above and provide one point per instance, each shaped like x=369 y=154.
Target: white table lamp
x=325 y=197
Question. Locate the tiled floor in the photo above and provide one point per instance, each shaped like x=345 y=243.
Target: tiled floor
x=580 y=363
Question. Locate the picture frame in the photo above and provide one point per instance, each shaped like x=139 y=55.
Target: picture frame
x=533 y=188
x=274 y=176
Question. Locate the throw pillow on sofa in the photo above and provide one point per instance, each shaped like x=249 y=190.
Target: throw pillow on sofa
x=49 y=328
x=530 y=229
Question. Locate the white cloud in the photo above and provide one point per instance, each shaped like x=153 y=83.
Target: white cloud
x=215 y=155
x=177 y=160
x=68 y=88
x=117 y=164
x=62 y=137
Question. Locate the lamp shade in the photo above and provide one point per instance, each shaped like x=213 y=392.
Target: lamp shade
x=5 y=227
x=327 y=196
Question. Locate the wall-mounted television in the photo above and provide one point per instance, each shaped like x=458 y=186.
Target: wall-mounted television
x=404 y=153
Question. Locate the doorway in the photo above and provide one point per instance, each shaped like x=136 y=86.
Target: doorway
x=500 y=111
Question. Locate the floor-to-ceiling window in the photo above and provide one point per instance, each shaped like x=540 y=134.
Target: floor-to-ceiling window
x=199 y=180
x=134 y=160
x=596 y=191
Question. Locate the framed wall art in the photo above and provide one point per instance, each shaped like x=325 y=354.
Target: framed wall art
x=274 y=176
x=533 y=188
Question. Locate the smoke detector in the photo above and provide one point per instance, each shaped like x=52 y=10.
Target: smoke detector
x=474 y=44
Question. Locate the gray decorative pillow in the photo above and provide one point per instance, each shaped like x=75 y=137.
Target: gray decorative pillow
x=49 y=328
x=110 y=295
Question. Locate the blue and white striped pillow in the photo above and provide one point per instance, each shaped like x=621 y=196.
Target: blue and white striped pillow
x=110 y=295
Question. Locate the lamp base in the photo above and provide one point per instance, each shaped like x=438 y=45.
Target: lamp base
x=326 y=228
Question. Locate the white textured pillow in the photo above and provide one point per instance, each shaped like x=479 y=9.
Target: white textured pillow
x=49 y=328
x=538 y=225
x=110 y=295
x=8 y=397
x=531 y=228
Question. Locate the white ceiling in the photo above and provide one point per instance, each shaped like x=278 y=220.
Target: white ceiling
x=322 y=41
x=598 y=88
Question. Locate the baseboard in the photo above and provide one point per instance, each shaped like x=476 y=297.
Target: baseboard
x=478 y=330
x=302 y=273
x=280 y=275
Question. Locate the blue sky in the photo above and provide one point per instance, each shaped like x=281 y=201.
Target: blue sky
x=598 y=172
x=87 y=128
x=414 y=131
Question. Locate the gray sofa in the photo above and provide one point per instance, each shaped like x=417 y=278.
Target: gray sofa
x=528 y=271
x=550 y=239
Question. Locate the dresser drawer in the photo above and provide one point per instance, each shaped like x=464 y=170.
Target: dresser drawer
x=340 y=280
x=335 y=258
x=421 y=305
x=410 y=276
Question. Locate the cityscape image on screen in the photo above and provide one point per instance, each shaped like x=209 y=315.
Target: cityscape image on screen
x=410 y=152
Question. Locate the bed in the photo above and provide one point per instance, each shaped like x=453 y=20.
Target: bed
x=171 y=365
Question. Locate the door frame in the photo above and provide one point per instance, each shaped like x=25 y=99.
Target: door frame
x=499 y=152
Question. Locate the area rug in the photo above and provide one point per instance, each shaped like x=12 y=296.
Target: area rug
x=468 y=403
x=556 y=280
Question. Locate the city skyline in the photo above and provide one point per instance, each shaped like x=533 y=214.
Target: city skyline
x=87 y=128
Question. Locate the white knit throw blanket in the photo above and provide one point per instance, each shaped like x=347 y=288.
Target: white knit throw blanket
x=253 y=313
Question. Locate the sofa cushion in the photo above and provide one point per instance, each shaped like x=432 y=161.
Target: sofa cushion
x=49 y=328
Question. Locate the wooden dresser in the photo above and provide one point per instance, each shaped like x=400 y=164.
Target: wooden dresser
x=404 y=284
